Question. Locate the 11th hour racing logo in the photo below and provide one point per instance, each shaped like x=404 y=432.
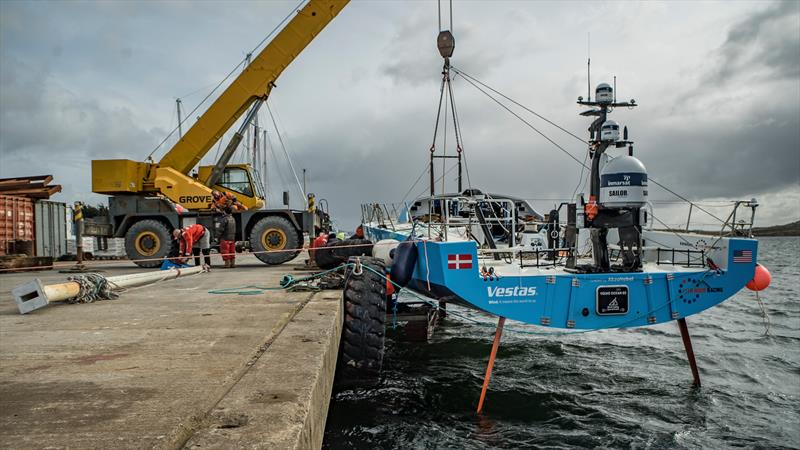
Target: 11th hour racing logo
x=516 y=291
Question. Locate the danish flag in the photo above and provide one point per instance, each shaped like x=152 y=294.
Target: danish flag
x=459 y=261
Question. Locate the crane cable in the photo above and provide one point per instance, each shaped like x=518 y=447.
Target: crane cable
x=277 y=27
x=285 y=152
x=446 y=96
x=439 y=4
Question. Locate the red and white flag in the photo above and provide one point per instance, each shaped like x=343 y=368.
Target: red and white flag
x=459 y=261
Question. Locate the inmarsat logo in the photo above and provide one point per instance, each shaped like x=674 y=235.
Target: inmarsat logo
x=613 y=305
x=516 y=291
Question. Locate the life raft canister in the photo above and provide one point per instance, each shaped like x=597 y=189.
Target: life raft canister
x=405 y=259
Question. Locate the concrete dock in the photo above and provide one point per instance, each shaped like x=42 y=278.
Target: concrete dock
x=170 y=365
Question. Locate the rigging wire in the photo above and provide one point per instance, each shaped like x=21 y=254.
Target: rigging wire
x=583 y=164
x=526 y=123
x=654 y=181
x=283 y=146
x=459 y=136
x=191 y=113
x=466 y=75
x=444 y=138
x=424 y=171
x=288 y=149
x=275 y=166
x=580 y=177
x=421 y=193
x=439 y=9
x=202 y=88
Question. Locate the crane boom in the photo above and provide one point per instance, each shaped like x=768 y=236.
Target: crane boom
x=149 y=200
x=255 y=82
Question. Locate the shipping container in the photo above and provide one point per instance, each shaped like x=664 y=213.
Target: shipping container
x=50 y=220
x=16 y=225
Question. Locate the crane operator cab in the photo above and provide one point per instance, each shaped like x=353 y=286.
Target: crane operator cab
x=241 y=180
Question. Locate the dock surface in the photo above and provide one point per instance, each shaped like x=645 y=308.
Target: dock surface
x=170 y=365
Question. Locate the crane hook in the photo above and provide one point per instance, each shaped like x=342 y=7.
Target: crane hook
x=446 y=43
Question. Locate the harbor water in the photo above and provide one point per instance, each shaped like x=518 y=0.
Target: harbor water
x=607 y=389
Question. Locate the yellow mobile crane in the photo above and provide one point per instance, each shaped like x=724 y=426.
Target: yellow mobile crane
x=138 y=209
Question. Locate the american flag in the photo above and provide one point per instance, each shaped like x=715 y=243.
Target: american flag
x=742 y=256
x=459 y=261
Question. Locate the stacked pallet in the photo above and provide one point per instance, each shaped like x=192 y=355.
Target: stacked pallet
x=36 y=187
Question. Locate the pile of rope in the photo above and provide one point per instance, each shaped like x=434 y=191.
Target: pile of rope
x=93 y=287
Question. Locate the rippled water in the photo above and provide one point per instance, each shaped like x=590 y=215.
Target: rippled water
x=612 y=389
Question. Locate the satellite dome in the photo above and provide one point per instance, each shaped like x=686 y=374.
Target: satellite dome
x=604 y=93
x=609 y=131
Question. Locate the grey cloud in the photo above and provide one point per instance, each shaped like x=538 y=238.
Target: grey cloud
x=735 y=161
x=411 y=66
x=367 y=140
x=768 y=38
x=46 y=128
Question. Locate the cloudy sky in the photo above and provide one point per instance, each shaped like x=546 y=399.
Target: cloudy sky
x=718 y=84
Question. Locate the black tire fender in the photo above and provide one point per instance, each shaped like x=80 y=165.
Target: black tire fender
x=363 y=334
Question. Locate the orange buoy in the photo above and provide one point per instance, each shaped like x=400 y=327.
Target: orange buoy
x=760 y=280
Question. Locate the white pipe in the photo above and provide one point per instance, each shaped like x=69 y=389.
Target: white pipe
x=139 y=279
x=71 y=289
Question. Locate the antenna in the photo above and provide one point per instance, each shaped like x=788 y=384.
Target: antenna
x=589 y=66
x=615 y=89
x=180 y=130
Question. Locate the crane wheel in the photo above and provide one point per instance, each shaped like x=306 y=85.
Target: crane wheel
x=147 y=242
x=273 y=238
x=364 y=331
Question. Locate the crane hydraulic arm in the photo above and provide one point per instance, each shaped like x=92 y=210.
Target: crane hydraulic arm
x=170 y=176
x=255 y=82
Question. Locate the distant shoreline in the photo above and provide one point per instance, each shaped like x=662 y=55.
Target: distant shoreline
x=786 y=230
x=789 y=229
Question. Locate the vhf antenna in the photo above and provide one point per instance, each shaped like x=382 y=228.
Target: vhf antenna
x=589 y=66
x=615 y=89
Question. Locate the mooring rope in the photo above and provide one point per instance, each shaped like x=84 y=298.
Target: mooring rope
x=764 y=316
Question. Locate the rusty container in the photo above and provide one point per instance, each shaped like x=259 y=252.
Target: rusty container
x=16 y=225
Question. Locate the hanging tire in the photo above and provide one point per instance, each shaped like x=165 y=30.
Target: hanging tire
x=147 y=242
x=271 y=235
x=362 y=344
x=338 y=252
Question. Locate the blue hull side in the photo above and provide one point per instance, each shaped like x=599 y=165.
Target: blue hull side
x=577 y=301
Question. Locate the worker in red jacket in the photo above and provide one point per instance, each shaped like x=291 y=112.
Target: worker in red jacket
x=227 y=239
x=194 y=239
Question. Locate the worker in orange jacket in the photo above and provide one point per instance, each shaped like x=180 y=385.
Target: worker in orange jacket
x=224 y=200
x=194 y=239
